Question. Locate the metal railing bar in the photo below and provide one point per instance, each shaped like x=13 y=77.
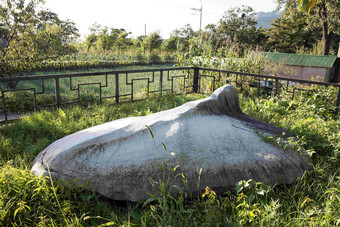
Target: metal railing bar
x=42 y=88
x=124 y=95
x=4 y=105
x=190 y=75
x=109 y=97
x=276 y=77
x=14 y=90
x=24 y=78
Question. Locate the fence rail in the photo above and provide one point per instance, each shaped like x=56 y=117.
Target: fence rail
x=127 y=85
x=267 y=83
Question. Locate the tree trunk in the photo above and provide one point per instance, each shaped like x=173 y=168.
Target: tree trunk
x=12 y=85
x=326 y=36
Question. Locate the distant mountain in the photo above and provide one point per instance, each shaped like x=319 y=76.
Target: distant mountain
x=264 y=18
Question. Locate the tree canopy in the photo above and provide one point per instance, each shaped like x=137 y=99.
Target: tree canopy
x=306 y=5
x=104 y=38
x=323 y=15
x=31 y=35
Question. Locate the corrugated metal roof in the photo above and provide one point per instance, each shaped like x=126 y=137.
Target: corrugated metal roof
x=302 y=59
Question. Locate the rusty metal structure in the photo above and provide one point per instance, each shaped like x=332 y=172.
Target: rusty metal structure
x=122 y=86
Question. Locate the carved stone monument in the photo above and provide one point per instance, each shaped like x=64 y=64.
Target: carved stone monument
x=211 y=142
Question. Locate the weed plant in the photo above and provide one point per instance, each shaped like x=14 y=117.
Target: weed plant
x=86 y=60
x=26 y=200
x=313 y=200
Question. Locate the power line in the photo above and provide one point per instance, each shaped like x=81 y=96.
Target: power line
x=218 y=14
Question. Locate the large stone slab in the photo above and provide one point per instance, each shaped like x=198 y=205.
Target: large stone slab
x=120 y=157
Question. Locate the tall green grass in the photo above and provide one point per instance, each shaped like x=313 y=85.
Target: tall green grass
x=313 y=200
x=26 y=200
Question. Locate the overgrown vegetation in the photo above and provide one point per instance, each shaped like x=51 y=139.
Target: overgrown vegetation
x=313 y=200
x=35 y=39
x=25 y=200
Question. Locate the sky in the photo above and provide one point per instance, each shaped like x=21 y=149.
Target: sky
x=158 y=15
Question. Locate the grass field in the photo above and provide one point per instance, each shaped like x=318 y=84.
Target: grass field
x=314 y=200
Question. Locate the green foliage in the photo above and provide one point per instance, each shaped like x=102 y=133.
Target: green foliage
x=27 y=200
x=101 y=38
x=309 y=117
x=171 y=44
x=31 y=37
x=322 y=22
x=184 y=34
x=313 y=200
x=94 y=59
x=291 y=33
x=306 y=5
x=237 y=25
x=33 y=201
x=152 y=41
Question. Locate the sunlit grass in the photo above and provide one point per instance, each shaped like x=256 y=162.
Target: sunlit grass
x=314 y=200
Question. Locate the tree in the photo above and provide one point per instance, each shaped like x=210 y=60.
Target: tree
x=236 y=21
x=27 y=41
x=138 y=42
x=328 y=13
x=91 y=39
x=237 y=25
x=323 y=14
x=104 y=38
x=184 y=34
x=306 y=5
x=68 y=28
x=122 y=41
x=291 y=32
x=171 y=44
x=152 y=41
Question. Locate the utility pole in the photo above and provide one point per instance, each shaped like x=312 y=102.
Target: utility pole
x=145 y=29
x=200 y=10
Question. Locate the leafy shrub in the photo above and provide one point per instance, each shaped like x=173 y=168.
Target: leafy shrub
x=19 y=101
x=154 y=58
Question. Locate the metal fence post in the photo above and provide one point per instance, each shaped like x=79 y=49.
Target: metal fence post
x=337 y=103
x=117 y=87
x=57 y=91
x=195 y=81
x=276 y=86
x=4 y=104
x=161 y=82
x=227 y=79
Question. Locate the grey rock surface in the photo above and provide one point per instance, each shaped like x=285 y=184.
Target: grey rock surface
x=120 y=157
